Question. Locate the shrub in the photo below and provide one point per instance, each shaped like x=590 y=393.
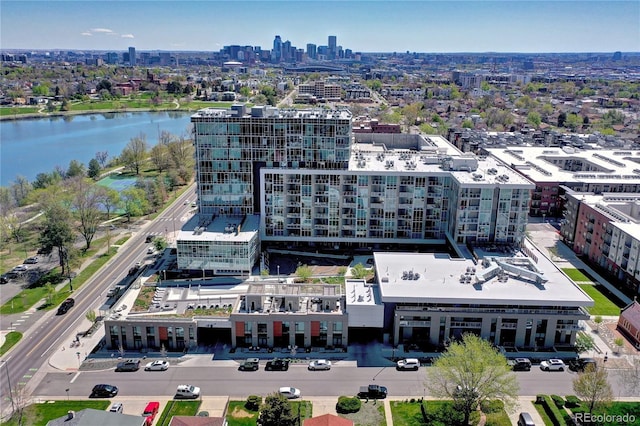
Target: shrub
x=558 y=400
x=348 y=404
x=253 y=402
x=494 y=406
x=572 y=401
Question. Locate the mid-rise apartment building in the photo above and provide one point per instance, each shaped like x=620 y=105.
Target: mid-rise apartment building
x=310 y=182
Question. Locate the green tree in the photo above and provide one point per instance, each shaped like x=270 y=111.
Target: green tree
x=467 y=124
x=359 y=271
x=57 y=233
x=135 y=153
x=91 y=315
x=159 y=155
x=134 y=202
x=534 y=119
x=472 y=371
x=584 y=343
x=94 y=169
x=619 y=342
x=592 y=386
x=110 y=199
x=276 y=411
x=75 y=168
x=573 y=121
x=304 y=272
x=562 y=118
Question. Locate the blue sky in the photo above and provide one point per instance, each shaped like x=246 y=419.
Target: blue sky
x=368 y=26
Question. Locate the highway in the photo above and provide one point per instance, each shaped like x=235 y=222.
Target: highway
x=20 y=365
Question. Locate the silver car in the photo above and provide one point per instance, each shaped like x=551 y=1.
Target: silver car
x=320 y=364
x=552 y=365
x=117 y=408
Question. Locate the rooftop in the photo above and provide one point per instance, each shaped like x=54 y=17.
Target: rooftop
x=241 y=111
x=513 y=278
x=222 y=228
x=568 y=164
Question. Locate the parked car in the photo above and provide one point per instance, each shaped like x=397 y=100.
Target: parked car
x=525 y=419
x=151 y=250
x=408 y=364
x=117 y=408
x=4 y=279
x=149 y=238
x=277 y=365
x=20 y=268
x=31 y=260
x=520 y=364
x=320 y=364
x=103 y=391
x=249 y=364
x=372 y=392
x=157 y=366
x=552 y=365
x=128 y=365
x=289 y=392
x=150 y=412
x=65 y=306
x=187 y=392
x=581 y=364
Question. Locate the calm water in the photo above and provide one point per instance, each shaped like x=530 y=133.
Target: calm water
x=29 y=147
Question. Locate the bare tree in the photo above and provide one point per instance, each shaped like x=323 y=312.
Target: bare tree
x=86 y=207
x=593 y=387
x=160 y=157
x=102 y=156
x=134 y=154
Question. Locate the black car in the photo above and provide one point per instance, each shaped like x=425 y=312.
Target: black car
x=149 y=238
x=128 y=365
x=581 y=364
x=277 y=365
x=520 y=364
x=65 y=306
x=3 y=279
x=104 y=391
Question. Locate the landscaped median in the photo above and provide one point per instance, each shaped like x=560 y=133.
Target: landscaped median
x=10 y=340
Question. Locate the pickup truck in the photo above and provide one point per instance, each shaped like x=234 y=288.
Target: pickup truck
x=372 y=392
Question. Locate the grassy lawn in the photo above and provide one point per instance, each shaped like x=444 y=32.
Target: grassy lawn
x=577 y=275
x=6 y=111
x=631 y=409
x=406 y=413
x=40 y=414
x=11 y=339
x=238 y=415
x=439 y=413
x=178 y=408
x=602 y=305
x=545 y=418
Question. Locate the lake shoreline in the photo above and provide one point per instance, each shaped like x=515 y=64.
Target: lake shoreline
x=59 y=114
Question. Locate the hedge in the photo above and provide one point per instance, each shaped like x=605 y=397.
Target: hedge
x=572 y=401
x=253 y=402
x=558 y=400
x=552 y=411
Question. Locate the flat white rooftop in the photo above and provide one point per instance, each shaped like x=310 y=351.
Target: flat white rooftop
x=439 y=279
x=272 y=112
x=222 y=228
x=545 y=164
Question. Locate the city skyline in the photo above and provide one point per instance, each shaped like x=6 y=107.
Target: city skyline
x=434 y=26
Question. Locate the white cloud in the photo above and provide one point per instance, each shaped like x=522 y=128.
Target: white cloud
x=86 y=34
x=127 y=36
x=101 y=30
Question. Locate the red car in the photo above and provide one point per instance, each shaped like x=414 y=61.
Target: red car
x=150 y=412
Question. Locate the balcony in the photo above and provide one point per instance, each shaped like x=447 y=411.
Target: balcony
x=414 y=323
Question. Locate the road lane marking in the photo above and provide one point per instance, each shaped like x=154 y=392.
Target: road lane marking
x=75 y=377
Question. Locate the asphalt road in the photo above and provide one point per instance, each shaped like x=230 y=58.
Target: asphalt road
x=43 y=336
x=226 y=380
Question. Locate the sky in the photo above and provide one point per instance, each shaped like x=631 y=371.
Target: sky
x=362 y=26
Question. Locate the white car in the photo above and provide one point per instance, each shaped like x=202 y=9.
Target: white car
x=117 y=408
x=157 y=366
x=289 y=392
x=408 y=364
x=187 y=391
x=552 y=365
x=20 y=268
x=320 y=364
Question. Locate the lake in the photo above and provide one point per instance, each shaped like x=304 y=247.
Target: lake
x=29 y=147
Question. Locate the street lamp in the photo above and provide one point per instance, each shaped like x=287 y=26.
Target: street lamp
x=278 y=266
x=6 y=365
x=67 y=391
